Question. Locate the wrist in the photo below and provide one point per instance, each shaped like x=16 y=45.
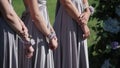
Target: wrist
x=51 y=36
x=29 y=41
x=89 y=9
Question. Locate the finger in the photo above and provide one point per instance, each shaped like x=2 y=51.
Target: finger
x=53 y=47
x=56 y=45
x=55 y=38
x=50 y=46
x=29 y=55
x=82 y=15
x=31 y=49
x=86 y=35
x=83 y=21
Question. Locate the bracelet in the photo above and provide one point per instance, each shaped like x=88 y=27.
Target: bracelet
x=51 y=35
x=91 y=8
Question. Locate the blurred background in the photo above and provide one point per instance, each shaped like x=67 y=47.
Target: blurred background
x=104 y=24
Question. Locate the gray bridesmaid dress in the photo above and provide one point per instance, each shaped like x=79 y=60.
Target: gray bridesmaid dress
x=43 y=56
x=8 y=45
x=72 y=49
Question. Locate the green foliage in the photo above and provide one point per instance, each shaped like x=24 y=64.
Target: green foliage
x=101 y=48
x=51 y=4
x=18 y=6
x=106 y=9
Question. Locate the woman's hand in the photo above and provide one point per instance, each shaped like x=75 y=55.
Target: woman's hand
x=24 y=33
x=28 y=47
x=53 y=44
x=82 y=21
x=86 y=31
x=29 y=51
x=83 y=18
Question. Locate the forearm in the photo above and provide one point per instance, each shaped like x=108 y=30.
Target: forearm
x=70 y=9
x=37 y=17
x=51 y=29
x=22 y=24
x=11 y=17
x=41 y=24
x=13 y=21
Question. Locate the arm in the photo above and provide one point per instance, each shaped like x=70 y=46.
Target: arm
x=12 y=19
x=15 y=23
x=39 y=21
x=84 y=17
x=70 y=9
x=10 y=16
x=81 y=19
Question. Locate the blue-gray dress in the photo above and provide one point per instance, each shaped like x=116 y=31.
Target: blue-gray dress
x=8 y=46
x=43 y=56
x=72 y=49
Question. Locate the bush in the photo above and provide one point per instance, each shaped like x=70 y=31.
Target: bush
x=105 y=51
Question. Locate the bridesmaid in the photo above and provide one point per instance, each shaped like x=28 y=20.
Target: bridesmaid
x=72 y=31
x=37 y=21
x=10 y=25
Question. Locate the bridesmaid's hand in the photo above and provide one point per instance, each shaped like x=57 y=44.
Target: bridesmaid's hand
x=24 y=33
x=53 y=43
x=83 y=18
x=86 y=31
x=29 y=51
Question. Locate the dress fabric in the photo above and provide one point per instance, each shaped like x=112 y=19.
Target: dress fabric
x=72 y=49
x=43 y=56
x=8 y=45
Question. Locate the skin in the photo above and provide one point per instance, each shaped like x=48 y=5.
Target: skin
x=39 y=21
x=81 y=19
x=15 y=23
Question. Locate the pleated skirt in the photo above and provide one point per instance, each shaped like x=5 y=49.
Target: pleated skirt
x=72 y=50
x=43 y=56
x=8 y=46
